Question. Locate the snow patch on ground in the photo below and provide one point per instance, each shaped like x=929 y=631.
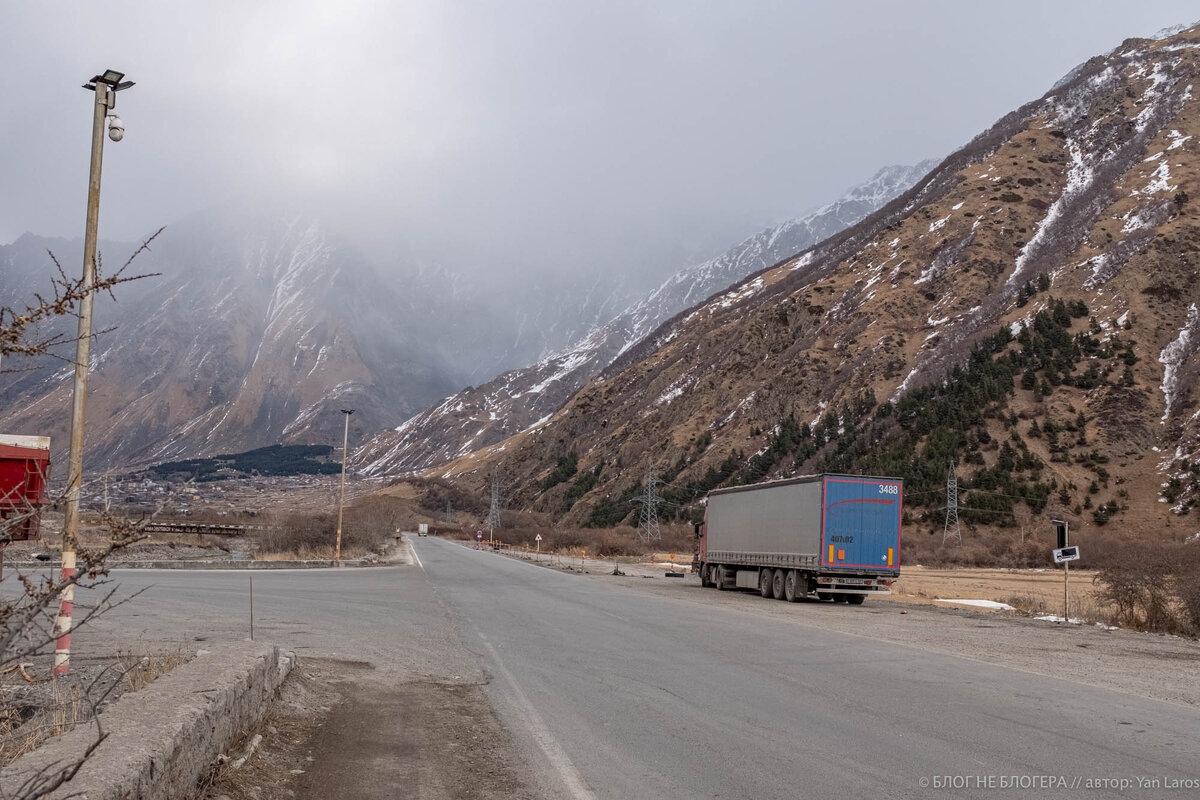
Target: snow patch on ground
x=1079 y=179
x=742 y=406
x=1175 y=354
x=676 y=389
x=992 y=604
x=803 y=261
x=1158 y=180
x=1177 y=139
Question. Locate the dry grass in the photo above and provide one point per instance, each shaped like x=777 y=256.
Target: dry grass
x=54 y=707
x=24 y=729
x=138 y=672
x=1028 y=590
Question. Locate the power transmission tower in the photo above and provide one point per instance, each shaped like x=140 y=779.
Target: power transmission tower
x=449 y=512
x=493 y=517
x=648 y=529
x=952 y=531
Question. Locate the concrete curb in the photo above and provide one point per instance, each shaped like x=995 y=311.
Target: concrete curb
x=27 y=565
x=163 y=739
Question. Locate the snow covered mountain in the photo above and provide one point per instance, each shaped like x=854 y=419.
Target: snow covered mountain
x=1027 y=311
x=256 y=332
x=517 y=399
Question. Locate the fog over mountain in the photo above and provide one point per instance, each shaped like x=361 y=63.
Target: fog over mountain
x=517 y=142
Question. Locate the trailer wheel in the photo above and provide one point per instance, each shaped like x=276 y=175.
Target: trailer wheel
x=777 y=580
x=789 y=586
x=764 y=582
x=855 y=599
x=825 y=596
x=717 y=575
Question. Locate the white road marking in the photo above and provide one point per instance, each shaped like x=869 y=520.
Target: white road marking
x=572 y=780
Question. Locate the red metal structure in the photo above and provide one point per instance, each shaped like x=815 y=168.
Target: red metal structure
x=24 y=472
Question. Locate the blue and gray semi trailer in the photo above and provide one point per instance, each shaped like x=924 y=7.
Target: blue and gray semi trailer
x=833 y=537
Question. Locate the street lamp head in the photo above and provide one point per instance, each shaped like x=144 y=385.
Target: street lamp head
x=111 y=78
x=347 y=410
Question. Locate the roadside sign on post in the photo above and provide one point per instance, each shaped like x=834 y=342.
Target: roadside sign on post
x=1061 y=529
x=1064 y=554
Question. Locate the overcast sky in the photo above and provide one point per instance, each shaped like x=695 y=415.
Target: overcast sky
x=508 y=133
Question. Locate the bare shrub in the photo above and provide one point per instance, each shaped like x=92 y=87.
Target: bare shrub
x=294 y=532
x=621 y=541
x=1027 y=602
x=372 y=521
x=1152 y=586
x=1188 y=589
x=367 y=527
x=28 y=615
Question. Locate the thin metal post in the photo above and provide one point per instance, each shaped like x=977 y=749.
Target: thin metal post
x=252 y=608
x=337 y=551
x=1066 y=592
x=62 y=625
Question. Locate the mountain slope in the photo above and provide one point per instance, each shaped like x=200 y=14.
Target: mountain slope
x=517 y=399
x=1028 y=309
x=256 y=332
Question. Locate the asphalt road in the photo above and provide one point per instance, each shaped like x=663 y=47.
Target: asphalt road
x=611 y=692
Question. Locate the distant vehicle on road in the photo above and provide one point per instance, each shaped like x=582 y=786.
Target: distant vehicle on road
x=835 y=537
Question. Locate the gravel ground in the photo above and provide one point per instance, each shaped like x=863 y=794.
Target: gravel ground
x=1145 y=664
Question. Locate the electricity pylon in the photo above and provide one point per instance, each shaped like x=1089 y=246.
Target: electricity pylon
x=493 y=517
x=952 y=531
x=648 y=529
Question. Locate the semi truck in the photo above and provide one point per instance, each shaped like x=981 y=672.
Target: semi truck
x=832 y=537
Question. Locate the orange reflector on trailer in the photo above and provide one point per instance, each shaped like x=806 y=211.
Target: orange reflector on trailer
x=830 y=559
x=841 y=555
x=891 y=556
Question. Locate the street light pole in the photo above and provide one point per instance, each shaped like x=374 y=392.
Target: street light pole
x=105 y=87
x=337 y=551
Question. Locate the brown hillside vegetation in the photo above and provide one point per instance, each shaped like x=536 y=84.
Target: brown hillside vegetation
x=1029 y=310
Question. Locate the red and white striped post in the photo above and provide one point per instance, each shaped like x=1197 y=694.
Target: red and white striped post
x=66 y=611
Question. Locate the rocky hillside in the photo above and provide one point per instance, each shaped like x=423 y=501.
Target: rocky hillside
x=1029 y=309
x=256 y=332
x=518 y=399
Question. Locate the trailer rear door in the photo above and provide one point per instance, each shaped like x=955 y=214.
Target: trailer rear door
x=860 y=525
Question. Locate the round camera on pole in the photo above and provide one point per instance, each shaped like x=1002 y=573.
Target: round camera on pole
x=116 y=128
